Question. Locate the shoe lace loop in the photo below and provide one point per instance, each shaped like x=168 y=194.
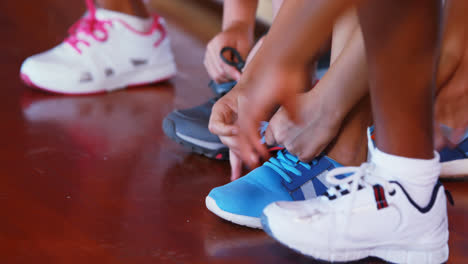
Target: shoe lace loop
x=284 y=161
x=90 y=26
x=356 y=179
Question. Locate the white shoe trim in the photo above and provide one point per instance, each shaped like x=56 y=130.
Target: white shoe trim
x=249 y=221
x=202 y=143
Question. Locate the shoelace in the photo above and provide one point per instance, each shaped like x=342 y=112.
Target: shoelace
x=359 y=178
x=284 y=162
x=89 y=25
x=235 y=59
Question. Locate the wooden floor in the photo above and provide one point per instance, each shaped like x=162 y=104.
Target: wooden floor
x=93 y=179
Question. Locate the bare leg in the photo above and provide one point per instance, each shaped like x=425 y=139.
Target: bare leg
x=350 y=145
x=401 y=40
x=452 y=95
x=130 y=7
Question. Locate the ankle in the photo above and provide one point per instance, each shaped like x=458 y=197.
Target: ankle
x=129 y=7
x=350 y=147
x=349 y=154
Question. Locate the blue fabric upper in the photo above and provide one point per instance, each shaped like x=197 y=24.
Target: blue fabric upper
x=250 y=194
x=221 y=88
x=459 y=152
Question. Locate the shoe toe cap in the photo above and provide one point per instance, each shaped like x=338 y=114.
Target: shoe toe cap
x=248 y=196
x=240 y=200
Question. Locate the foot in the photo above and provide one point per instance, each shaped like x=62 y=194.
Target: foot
x=189 y=127
x=361 y=216
x=282 y=178
x=455 y=160
x=105 y=51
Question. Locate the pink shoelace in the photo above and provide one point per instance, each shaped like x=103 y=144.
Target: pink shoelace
x=89 y=25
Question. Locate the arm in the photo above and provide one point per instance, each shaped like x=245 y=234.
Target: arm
x=322 y=111
x=237 y=32
x=280 y=68
x=240 y=12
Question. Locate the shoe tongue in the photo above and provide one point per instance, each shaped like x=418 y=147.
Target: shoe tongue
x=137 y=23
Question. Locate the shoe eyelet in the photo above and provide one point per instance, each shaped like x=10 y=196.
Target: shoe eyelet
x=392 y=193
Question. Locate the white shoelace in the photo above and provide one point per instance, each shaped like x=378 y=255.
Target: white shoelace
x=359 y=178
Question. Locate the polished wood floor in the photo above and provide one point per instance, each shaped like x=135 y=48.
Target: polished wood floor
x=93 y=179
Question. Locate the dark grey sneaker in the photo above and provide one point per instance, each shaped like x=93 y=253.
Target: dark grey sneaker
x=189 y=127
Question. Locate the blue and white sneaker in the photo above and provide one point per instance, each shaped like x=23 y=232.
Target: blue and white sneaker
x=455 y=161
x=367 y=214
x=282 y=178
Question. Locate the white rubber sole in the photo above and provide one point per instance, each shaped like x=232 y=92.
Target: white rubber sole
x=455 y=169
x=202 y=143
x=140 y=76
x=248 y=221
x=393 y=255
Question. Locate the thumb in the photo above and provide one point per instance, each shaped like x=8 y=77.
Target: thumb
x=221 y=120
x=269 y=136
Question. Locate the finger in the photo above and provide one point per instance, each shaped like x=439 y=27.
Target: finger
x=208 y=62
x=252 y=148
x=230 y=72
x=253 y=145
x=247 y=153
x=213 y=55
x=269 y=136
x=236 y=165
x=218 y=123
x=210 y=68
x=222 y=129
x=258 y=146
x=232 y=143
x=216 y=72
x=307 y=154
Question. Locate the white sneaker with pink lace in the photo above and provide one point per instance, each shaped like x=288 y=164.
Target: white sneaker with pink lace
x=103 y=53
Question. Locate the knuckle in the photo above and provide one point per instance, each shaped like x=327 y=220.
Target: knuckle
x=281 y=136
x=303 y=156
x=211 y=127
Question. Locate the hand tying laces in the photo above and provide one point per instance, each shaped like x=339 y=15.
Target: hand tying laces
x=285 y=161
x=90 y=26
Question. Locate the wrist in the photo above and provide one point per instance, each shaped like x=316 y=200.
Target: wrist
x=239 y=25
x=327 y=106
